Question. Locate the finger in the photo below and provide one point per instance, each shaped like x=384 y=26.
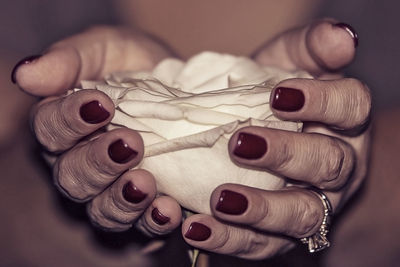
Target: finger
x=323 y=161
x=60 y=122
x=296 y=212
x=161 y=217
x=323 y=46
x=121 y=204
x=89 y=55
x=88 y=168
x=207 y=233
x=344 y=104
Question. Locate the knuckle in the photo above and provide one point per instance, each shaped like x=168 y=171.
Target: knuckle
x=359 y=103
x=345 y=103
x=256 y=247
x=52 y=128
x=308 y=214
x=339 y=164
x=222 y=240
x=333 y=163
x=43 y=129
x=261 y=213
x=66 y=178
x=365 y=103
x=282 y=161
x=324 y=105
x=99 y=218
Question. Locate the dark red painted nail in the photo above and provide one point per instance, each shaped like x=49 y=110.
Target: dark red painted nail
x=93 y=112
x=23 y=61
x=350 y=30
x=158 y=217
x=232 y=203
x=198 y=232
x=132 y=194
x=287 y=99
x=250 y=146
x=120 y=152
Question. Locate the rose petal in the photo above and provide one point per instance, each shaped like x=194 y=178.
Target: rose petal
x=202 y=139
x=190 y=175
x=186 y=113
x=150 y=109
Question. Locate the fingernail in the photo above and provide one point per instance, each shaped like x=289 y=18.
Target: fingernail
x=198 y=232
x=232 y=203
x=93 y=112
x=120 y=152
x=287 y=99
x=132 y=194
x=23 y=61
x=250 y=146
x=158 y=217
x=350 y=30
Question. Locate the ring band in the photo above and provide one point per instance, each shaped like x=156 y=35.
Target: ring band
x=319 y=241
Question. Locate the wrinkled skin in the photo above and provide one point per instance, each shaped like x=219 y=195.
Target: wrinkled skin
x=331 y=154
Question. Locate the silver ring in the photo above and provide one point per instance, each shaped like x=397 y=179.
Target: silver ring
x=319 y=241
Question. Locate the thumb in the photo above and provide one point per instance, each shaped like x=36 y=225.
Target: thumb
x=324 y=46
x=88 y=55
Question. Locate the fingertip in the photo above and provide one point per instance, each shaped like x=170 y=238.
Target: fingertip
x=95 y=107
x=169 y=207
x=25 y=61
x=50 y=74
x=163 y=215
x=350 y=30
x=196 y=228
x=291 y=98
x=137 y=185
x=287 y=99
x=230 y=202
x=248 y=146
x=332 y=45
x=125 y=147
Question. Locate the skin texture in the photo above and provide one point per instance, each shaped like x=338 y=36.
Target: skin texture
x=82 y=168
x=322 y=157
x=290 y=213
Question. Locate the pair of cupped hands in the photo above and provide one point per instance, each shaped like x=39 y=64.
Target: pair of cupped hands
x=94 y=167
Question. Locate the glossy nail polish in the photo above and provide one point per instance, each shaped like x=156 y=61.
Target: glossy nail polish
x=250 y=146
x=23 y=61
x=132 y=194
x=287 y=99
x=350 y=30
x=120 y=152
x=198 y=232
x=158 y=217
x=232 y=203
x=93 y=112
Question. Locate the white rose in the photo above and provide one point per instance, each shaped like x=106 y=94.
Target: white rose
x=186 y=113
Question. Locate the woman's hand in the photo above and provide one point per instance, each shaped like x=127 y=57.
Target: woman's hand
x=331 y=154
x=90 y=165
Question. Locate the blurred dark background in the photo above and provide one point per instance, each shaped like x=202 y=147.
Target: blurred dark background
x=29 y=26
x=378 y=53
